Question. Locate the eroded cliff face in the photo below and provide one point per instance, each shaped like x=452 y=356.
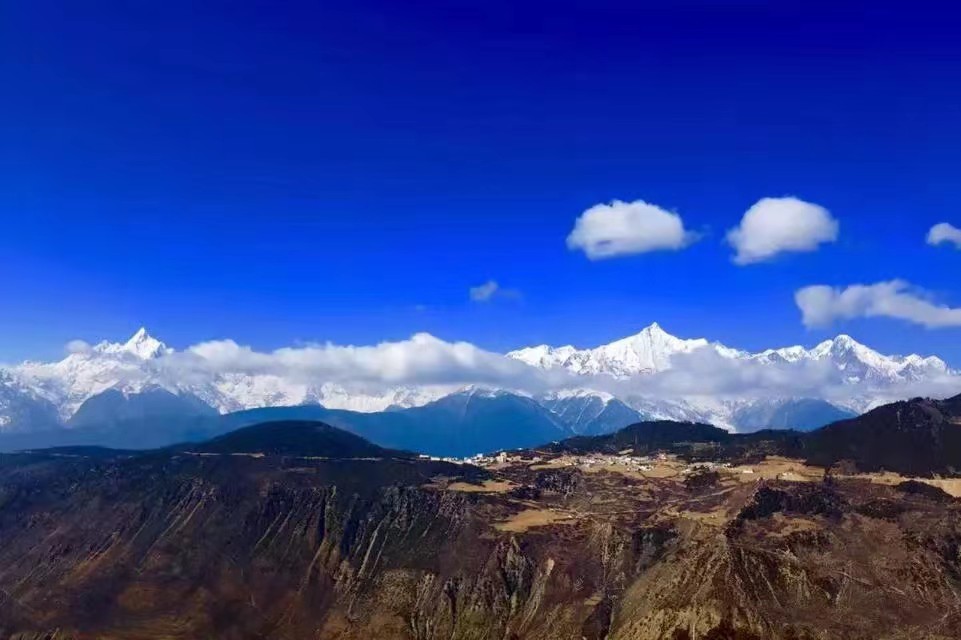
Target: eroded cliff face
x=241 y=547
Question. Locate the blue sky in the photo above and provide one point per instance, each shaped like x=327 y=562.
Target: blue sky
x=348 y=171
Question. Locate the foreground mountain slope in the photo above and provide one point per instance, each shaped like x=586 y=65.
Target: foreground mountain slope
x=195 y=544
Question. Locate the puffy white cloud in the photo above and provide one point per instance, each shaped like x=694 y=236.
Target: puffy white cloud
x=426 y=360
x=822 y=305
x=780 y=225
x=78 y=346
x=705 y=372
x=422 y=359
x=625 y=228
x=944 y=232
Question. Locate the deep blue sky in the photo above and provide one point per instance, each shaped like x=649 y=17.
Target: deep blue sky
x=345 y=171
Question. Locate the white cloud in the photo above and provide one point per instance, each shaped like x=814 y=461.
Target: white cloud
x=625 y=228
x=484 y=292
x=780 y=225
x=944 y=232
x=427 y=361
x=490 y=290
x=422 y=359
x=822 y=305
x=705 y=372
x=78 y=346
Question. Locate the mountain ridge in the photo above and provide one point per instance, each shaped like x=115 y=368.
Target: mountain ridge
x=649 y=351
x=143 y=363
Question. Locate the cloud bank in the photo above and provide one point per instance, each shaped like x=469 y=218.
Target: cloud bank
x=781 y=225
x=425 y=360
x=420 y=360
x=822 y=305
x=626 y=228
x=944 y=233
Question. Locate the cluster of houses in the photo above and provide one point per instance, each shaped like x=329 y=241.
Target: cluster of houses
x=627 y=462
x=632 y=463
x=705 y=466
x=487 y=460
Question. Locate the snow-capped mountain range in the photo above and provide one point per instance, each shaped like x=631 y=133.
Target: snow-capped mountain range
x=38 y=394
x=865 y=378
x=143 y=362
x=653 y=351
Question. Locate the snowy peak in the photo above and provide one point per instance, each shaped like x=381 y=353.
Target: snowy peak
x=141 y=344
x=651 y=350
x=860 y=362
x=648 y=351
x=543 y=356
x=845 y=344
x=145 y=346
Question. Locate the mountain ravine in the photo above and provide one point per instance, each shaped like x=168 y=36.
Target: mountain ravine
x=298 y=530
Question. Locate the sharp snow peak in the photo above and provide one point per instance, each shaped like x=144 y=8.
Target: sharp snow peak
x=139 y=363
x=141 y=344
x=651 y=351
